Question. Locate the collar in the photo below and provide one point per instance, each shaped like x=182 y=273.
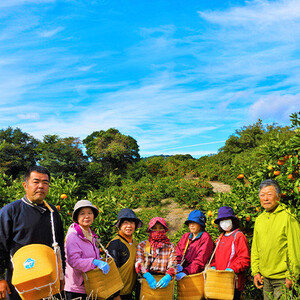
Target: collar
x=197 y=237
x=129 y=241
x=40 y=208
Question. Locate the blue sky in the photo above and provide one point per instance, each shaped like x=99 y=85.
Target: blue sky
x=178 y=76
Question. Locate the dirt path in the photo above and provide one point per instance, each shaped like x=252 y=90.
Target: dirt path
x=177 y=214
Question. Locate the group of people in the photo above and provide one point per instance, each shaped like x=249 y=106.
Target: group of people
x=275 y=251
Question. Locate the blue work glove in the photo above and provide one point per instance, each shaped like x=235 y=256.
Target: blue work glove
x=179 y=268
x=228 y=269
x=180 y=275
x=164 y=281
x=213 y=268
x=102 y=265
x=151 y=280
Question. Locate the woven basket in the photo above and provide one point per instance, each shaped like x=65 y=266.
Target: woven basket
x=191 y=287
x=158 y=294
x=101 y=286
x=219 y=284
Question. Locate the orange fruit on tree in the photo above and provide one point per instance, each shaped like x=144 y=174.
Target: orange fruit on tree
x=63 y=196
x=276 y=173
x=58 y=207
x=240 y=176
x=209 y=213
x=291 y=176
x=257 y=208
x=280 y=162
x=248 y=218
x=270 y=168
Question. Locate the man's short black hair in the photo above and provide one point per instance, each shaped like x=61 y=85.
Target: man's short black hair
x=38 y=169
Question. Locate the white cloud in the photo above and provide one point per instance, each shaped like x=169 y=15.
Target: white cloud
x=50 y=33
x=11 y=3
x=275 y=107
x=29 y=116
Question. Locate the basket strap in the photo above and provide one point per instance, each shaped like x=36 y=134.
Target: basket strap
x=213 y=254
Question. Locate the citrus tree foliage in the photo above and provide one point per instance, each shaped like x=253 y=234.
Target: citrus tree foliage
x=112 y=148
x=17 y=151
x=62 y=156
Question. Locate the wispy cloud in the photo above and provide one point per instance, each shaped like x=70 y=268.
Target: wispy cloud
x=50 y=32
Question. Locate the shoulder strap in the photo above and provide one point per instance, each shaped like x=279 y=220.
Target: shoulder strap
x=219 y=238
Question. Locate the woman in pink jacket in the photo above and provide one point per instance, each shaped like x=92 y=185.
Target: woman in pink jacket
x=82 y=254
x=195 y=247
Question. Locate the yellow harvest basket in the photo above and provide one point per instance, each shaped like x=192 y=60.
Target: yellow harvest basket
x=191 y=287
x=101 y=286
x=36 y=272
x=158 y=294
x=219 y=284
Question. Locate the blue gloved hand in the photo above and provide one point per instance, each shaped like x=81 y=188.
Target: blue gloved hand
x=102 y=265
x=180 y=275
x=213 y=268
x=151 y=280
x=164 y=281
x=228 y=269
x=179 y=268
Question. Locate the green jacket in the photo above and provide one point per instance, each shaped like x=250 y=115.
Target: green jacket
x=276 y=241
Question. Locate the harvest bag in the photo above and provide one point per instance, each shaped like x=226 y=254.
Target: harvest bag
x=37 y=269
x=191 y=287
x=101 y=286
x=158 y=294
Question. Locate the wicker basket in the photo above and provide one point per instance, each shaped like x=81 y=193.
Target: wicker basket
x=158 y=294
x=219 y=284
x=191 y=287
x=101 y=286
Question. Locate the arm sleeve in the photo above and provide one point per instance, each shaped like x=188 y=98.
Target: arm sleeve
x=254 y=254
x=172 y=264
x=140 y=259
x=114 y=250
x=293 y=238
x=74 y=255
x=5 y=236
x=203 y=255
x=180 y=249
x=242 y=260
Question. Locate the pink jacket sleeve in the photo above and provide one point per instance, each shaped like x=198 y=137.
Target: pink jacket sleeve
x=75 y=254
x=203 y=255
x=241 y=259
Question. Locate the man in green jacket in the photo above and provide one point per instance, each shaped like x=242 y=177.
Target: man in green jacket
x=275 y=252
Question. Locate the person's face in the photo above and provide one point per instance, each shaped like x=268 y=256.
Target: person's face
x=194 y=227
x=269 y=199
x=36 y=187
x=85 y=217
x=158 y=227
x=127 y=227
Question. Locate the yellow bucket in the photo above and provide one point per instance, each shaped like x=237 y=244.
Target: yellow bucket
x=219 y=284
x=101 y=286
x=191 y=287
x=35 y=274
x=158 y=294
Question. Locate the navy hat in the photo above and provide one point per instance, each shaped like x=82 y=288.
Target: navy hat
x=128 y=214
x=196 y=216
x=225 y=212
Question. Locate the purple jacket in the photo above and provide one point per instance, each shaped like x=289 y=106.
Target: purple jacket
x=80 y=253
x=198 y=252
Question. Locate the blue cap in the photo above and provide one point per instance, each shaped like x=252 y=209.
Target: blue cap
x=196 y=216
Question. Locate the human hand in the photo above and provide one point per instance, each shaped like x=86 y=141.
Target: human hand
x=258 y=281
x=180 y=275
x=228 y=269
x=3 y=289
x=164 y=281
x=288 y=283
x=102 y=265
x=179 y=268
x=151 y=280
